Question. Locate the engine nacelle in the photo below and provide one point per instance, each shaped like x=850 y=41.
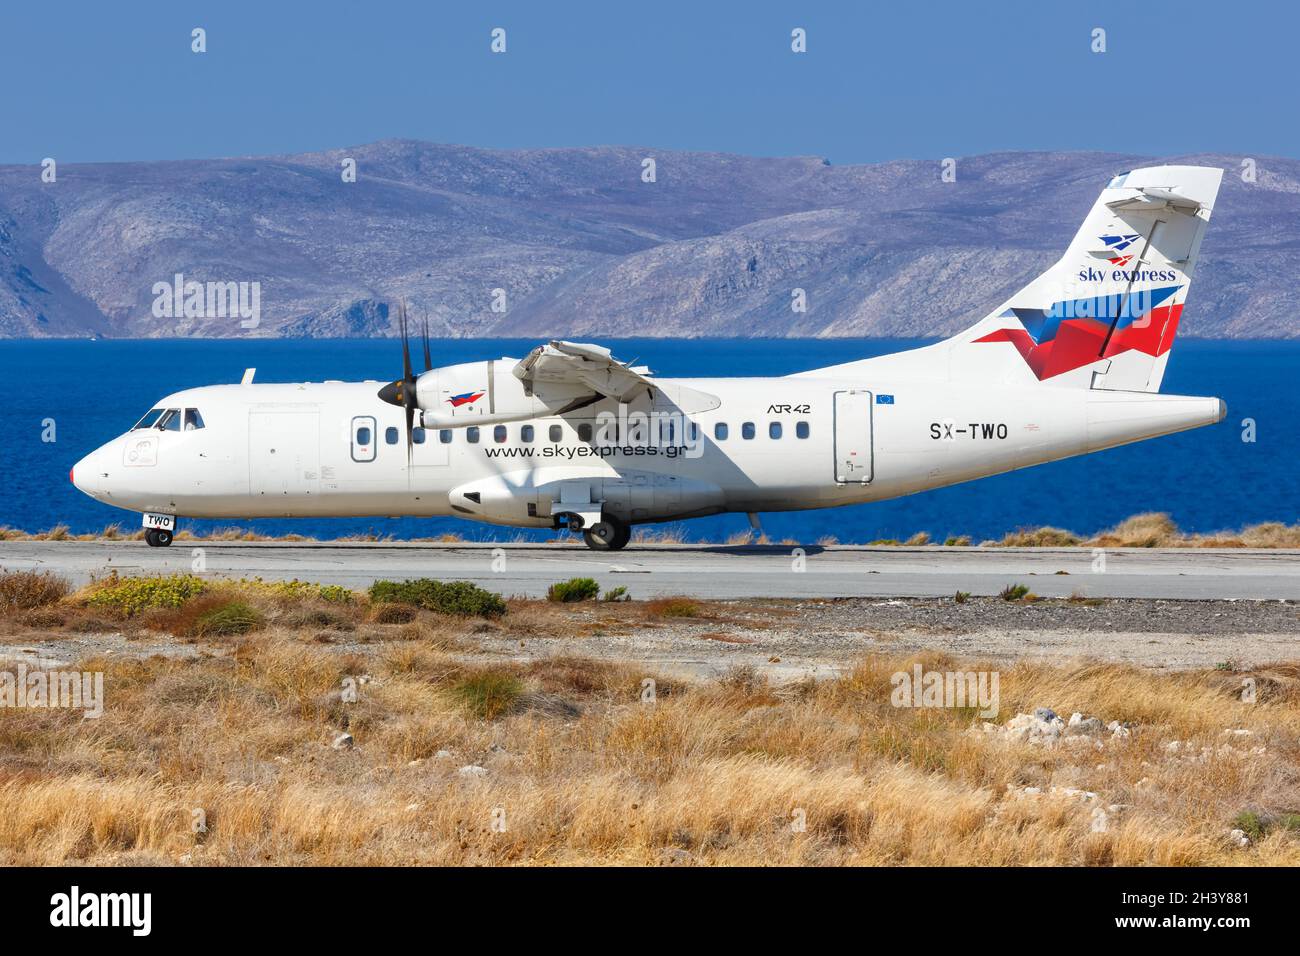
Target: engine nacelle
x=480 y=393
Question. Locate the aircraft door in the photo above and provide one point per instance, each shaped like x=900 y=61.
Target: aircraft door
x=853 y=437
x=364 y=439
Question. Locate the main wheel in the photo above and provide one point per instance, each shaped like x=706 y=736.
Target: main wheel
x=158 y=538
x=608 y=534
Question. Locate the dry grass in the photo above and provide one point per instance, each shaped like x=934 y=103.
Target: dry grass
x=26 y=590
x=589 y=762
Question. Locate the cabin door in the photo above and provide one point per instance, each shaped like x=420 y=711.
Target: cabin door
x=853 y=437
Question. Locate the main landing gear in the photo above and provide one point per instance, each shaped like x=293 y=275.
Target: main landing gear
x=158 y=537
x=607 y=534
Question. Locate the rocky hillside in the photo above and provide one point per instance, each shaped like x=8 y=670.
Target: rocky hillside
x=580 y=245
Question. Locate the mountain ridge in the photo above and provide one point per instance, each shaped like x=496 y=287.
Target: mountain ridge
x=579 y=245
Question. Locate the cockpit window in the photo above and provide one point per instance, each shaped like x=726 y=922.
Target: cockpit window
x=171 y=421
x=193 y=419
x=150 y=419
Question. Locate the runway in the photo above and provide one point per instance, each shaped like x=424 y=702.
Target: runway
x=716 y=572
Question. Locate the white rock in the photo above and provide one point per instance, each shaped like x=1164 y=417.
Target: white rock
x=472 y=770
x=1117 y=729
x=1239 y=837
x=1035 y=729
x=343 y=742
x=1080 y=724
x=442 y=755
x=1100 y=821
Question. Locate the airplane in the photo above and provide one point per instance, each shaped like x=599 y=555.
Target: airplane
x=570 y=438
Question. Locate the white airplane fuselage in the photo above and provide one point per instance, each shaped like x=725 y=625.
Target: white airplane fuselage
x=291 y=450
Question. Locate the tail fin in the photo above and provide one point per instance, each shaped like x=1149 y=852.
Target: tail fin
x=1105 y=315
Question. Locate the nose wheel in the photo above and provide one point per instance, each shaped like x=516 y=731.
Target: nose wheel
x=158 y=538
x=607 y=534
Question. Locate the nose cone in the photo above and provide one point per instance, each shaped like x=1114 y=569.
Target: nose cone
x=90 y=475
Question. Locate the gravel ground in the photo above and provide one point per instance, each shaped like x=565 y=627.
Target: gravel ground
x=790 y=640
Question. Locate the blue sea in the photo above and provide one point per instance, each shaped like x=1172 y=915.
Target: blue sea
x=1207 y=480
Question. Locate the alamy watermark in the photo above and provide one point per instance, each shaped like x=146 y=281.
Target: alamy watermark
x=950 y=689
x=189 y=299
x=55 y=689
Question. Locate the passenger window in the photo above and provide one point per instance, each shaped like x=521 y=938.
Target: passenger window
x=720 y=431
x=693 y=429
x=499 y=434
x=150 y=419
x=171 y=421
x=526 y=433
x=417 y=435
x=584 y=432
x=444 y=436
x=193 y=420
x=773 y=429
x=801 y=430
x=556 y=433
x=471 y=434
x=363 y=435
x=747 y=430
x=390 y=435
x=666 y=431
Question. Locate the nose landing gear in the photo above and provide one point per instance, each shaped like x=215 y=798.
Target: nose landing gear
x=158 y=537
x=607 y=534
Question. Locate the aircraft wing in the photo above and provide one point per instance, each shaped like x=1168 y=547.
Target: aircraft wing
x=578 y=363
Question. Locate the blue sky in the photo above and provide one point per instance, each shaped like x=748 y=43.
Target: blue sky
x=96 y=81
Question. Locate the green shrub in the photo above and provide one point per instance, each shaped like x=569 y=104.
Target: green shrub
x=488 y=694
x=574 y=589
x=961 y=597
x=227 y=620
x=616 y=594
x=334 y=593
x=458 y=598
x=1013 y=592
x=130 y=596
x=24 y=590
x=1257 y=826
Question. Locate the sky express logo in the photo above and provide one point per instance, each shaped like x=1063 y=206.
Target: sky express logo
x=1117 y=245
x=465 y=398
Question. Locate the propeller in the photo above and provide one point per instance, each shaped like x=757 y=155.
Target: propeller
x=428 y=362
x=402 y=391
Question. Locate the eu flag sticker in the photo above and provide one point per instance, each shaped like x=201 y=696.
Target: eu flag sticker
x=884 y=399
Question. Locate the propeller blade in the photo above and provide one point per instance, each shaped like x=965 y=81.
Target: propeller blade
x=428 y=361
x=410 y=440
x=406 y=347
